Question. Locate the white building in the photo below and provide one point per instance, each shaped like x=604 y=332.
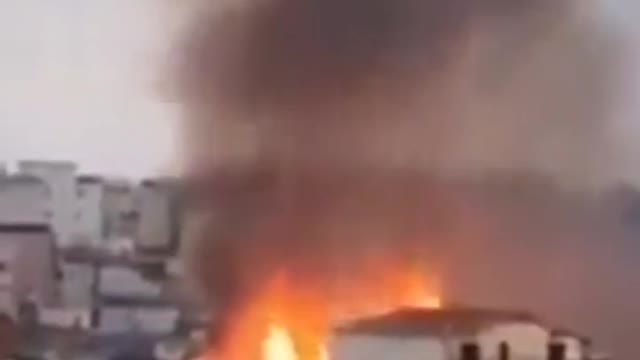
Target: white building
x=419 y=334
x=77 y=285
x=576 y=346
x=89 y=217
x=148 y=319
x=121 y=218
x=158 y=223
x=28 y=266
x=24 y=199
x=65 y=318
x=61 y=180
x=122 y=281
x=131 y=303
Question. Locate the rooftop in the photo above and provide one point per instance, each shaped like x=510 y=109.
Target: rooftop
x=47 y=163
x=90 y=179
x=166 y=181
x=562 y=332
x=24 y=228
x=22 y=179
x=419 y=321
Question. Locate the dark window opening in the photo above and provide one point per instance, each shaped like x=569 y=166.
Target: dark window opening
x=470 y=351
x=556 y=351
x=503 y=351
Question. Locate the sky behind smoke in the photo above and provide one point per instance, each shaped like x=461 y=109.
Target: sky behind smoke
x=79 y=81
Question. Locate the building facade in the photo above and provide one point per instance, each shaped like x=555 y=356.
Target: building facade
x=120 y=215
x=89 y=217
x=60 y=177
x=77 y=285
x=157 y=206
x=466 y=334
x=28 y=266
x=129 y=302
x=24 y=199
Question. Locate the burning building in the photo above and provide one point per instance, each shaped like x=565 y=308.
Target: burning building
x=456 y=333
x=323 y=138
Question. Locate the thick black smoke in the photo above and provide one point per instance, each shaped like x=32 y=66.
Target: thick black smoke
x=322 y=134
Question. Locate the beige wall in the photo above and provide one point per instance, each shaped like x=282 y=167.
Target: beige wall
x=155 y=209
x=89 y=216
x=364 y=347
x=574 y=348
x=32 y=265
x=60 y=177
x=23 y=200
x=526 y=341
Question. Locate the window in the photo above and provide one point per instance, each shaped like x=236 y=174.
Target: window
x=556 y=351
x=469 y=351
x=3 y=266
x=503 y=351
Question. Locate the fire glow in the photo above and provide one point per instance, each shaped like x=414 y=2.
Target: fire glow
x=278 y=344
x=284 y=322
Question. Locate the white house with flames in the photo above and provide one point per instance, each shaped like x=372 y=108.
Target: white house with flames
x=448 y=334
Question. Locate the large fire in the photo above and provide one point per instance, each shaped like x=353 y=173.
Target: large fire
x=285 y=322
x=278 y=344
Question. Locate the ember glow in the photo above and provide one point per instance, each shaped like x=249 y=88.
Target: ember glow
x=284 y=321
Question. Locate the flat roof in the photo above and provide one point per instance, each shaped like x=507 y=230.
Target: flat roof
x=90 y=179
x=420 y=321
x=24 y=228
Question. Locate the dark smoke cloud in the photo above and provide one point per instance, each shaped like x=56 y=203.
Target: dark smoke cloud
x=322 y=134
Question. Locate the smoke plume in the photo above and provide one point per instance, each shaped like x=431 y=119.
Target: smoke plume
x=325 y=136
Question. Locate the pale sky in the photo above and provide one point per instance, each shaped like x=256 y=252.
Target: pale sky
x=77 y=82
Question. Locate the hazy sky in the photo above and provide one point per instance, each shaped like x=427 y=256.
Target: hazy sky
x=77 y=82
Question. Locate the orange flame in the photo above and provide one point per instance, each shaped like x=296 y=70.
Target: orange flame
x=278 y=345
x=287 y=322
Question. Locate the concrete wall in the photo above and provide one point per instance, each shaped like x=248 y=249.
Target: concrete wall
x=526 y=341
x=89 y=213
x=123 y=281
x=119 y=210
x=573 y=345
x=24 y=199
x=31 y=266
x=60 y=177
x=118 y=319
x=155 y=204
x=65 y=318
x=364 y=347
x=76 y=285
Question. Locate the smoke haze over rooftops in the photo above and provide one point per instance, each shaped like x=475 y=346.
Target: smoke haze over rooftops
x=326 y=136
